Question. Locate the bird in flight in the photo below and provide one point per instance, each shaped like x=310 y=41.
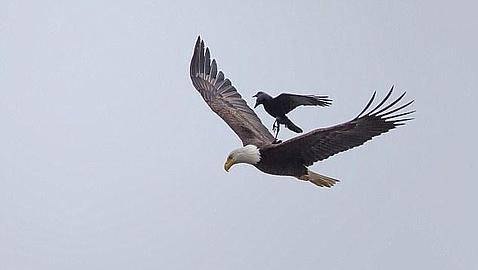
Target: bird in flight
x=291 y=157
x=284 y=103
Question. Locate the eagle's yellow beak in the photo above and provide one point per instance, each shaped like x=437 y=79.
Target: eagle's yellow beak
x=228 y=164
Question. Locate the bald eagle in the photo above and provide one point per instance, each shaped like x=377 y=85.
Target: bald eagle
x=291 y=157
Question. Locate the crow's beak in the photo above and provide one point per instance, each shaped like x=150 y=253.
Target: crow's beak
x=255 y=95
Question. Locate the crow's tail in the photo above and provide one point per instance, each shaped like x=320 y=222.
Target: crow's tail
x=288 y=124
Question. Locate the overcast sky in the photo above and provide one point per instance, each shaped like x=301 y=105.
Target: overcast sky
x=110 y=159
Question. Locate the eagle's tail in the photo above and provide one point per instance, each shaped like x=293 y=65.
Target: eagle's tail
x=288 y=124
x=318 y=179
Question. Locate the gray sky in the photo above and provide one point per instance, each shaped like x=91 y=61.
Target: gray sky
x=111 y=160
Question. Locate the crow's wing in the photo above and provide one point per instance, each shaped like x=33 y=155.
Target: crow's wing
x=288 y=102
x=224 y=100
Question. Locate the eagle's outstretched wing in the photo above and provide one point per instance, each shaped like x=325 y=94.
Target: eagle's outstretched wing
x=322 y=143
x=224 y=100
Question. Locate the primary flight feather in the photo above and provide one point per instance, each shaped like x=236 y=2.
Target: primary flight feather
x=291 y=157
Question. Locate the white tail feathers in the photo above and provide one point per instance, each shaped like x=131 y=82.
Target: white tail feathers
x=318 y=179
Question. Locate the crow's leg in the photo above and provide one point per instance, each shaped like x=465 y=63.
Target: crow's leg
x=277 y=131
x=275 y=125
x=276 y=128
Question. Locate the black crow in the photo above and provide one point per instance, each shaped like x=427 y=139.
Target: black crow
x=279 y=106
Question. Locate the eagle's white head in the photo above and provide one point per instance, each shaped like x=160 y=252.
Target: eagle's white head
x=248 y=154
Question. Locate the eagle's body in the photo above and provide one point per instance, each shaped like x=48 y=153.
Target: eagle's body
x=267 y=162
x=292 y=157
